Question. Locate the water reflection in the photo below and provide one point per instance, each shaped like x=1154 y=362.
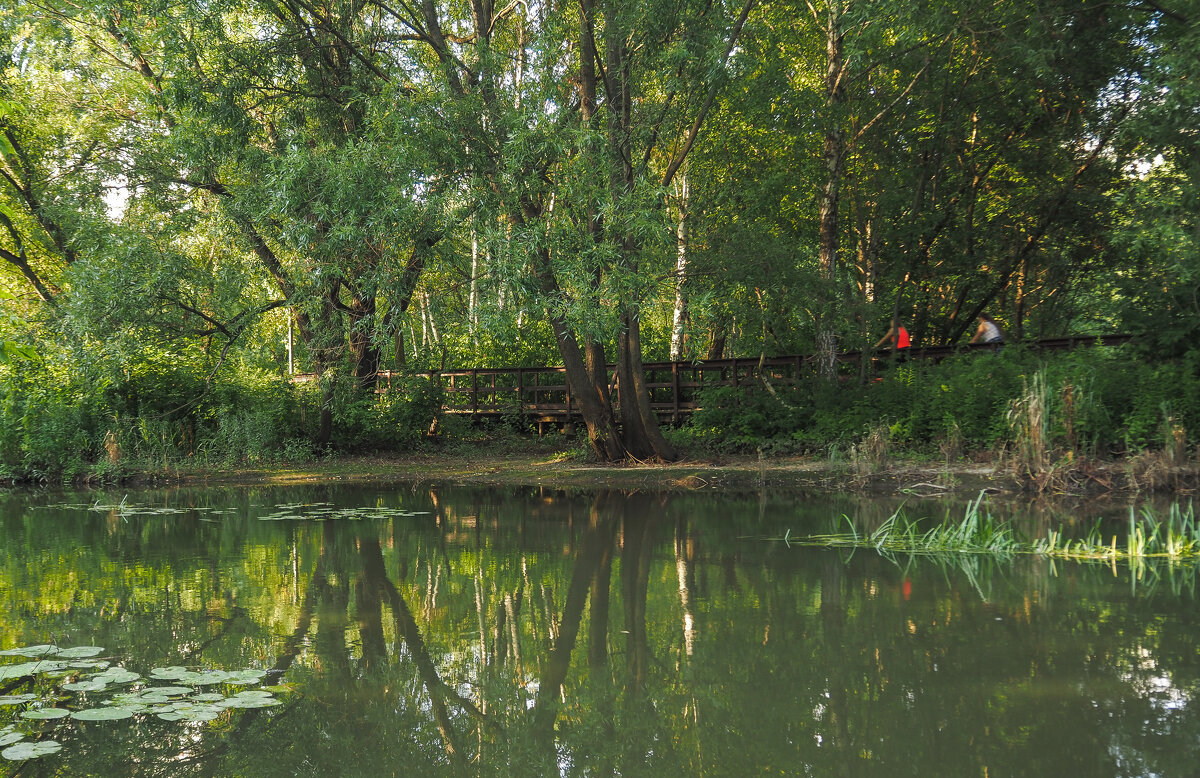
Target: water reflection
x=529 y=632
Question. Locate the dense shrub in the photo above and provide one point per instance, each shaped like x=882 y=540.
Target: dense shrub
x=1099 y=401
x=402 y=412
x=165 y=414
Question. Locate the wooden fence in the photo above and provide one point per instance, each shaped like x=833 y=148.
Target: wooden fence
x=540 y=395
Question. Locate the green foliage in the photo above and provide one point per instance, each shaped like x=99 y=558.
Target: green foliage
x=745 y=417
x=392 y=419
x=1091 y=402
x=162 y=415
x=50 y=426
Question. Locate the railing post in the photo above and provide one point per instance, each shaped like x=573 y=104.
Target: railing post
x=474 y=392
x=521 y=393
x=674 y=392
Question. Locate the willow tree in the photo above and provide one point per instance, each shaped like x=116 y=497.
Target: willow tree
x=572 y=121
x=267 y=116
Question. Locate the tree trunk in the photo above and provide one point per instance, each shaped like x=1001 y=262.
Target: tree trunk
x=832 y=155
x=681 y=262
x=364 y=352
x=641 y=431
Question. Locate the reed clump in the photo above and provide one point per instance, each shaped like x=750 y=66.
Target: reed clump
x=1175 y=538
x=1148 y=536
x=977 y=533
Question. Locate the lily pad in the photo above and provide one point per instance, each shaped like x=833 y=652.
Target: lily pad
x=206 y=677
x=30 y=651
x=112 y=713
x=79 y=652
x=8 y=738
x=31 y=750
x=167 y=691
x=16 y=699
x=282 y=688
x=245 y=677
x=169 y=673
x=45 y=713
x=94 y=685
x=200 y=715
x=249 y=702
x=207 y=697
x=117 y=675
x=8 y=672
x=89 y=664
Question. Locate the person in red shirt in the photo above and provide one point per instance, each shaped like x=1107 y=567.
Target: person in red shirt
x=897 y=336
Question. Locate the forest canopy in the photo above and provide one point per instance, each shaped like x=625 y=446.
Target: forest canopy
x=199 y=198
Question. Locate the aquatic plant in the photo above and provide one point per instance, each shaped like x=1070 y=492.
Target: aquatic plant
x=72 y=683
x=1175 y=538
x=978 y=532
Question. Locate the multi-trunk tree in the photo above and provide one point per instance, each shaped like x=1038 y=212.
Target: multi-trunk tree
x=519 y=167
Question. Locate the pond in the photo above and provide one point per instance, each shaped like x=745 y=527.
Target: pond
x=447 y=631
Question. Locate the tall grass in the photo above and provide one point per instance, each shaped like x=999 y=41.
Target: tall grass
x=1148 y=536
x=977 y=533
x=1175 y=538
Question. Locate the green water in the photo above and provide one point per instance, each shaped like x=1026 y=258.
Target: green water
x=453 y=632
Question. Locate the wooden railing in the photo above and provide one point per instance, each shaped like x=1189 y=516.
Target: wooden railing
x=541 y=395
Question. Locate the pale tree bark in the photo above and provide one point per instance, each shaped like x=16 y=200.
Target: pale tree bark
x=679 y=316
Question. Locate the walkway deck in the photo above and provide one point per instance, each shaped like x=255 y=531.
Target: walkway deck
x=540 y=394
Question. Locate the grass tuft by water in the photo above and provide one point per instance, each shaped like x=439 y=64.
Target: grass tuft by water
x=1148 y=536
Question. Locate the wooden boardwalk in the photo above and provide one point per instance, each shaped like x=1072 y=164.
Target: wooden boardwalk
x=540 y=395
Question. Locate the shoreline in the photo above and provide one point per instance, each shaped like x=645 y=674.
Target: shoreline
x=566 y=469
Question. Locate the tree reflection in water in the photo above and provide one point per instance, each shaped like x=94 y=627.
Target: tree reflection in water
x=608 y=634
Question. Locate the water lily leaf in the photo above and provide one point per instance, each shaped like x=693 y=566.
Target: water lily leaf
x=45 y=713
x=282 y=688
x=116 y=675
x=86 y=686
x=152 y=699
x=205 y=677
x=8 y=738
x=79 y=652
x=89 y=664
x=170 y=715
x=245 y=677
x=169 y=673
x=207 y=697
x=16 y=699
x=249 y=702
x=104 y=714
x=199 y=715
x=31 y=750
x=167 y=691
x=30 y=651
x=8 y=672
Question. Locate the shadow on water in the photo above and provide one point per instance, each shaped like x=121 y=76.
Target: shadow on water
x=479 y=632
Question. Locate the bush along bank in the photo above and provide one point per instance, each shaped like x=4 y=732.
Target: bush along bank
x=63 y=426
x=1050 y=417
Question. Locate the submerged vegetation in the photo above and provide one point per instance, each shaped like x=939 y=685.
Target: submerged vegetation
x=1145 y=538
x=91 y=690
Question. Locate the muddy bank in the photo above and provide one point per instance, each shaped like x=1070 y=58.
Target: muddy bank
x=566 y=469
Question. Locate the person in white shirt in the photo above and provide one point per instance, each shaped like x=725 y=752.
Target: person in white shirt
x=989 y=331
